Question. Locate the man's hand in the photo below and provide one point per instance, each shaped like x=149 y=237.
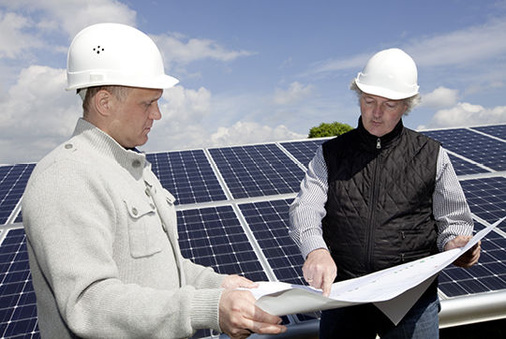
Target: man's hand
x=240 y=317
x=320 y=270
x=235 y=281
x=470 y=257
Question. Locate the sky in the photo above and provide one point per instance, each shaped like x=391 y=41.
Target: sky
x=253 y=71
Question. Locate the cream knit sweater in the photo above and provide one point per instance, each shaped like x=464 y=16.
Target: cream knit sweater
x=102 y=242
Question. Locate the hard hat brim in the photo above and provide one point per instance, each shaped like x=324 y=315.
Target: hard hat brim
x=385 y=92
x=85 y=80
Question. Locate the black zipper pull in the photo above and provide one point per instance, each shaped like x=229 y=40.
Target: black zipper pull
x=378 y=143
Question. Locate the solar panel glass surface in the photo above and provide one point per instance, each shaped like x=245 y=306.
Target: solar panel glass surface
x=486 y=276
x=472 y=145
x=258 y=170
x=303 y=151
x=13 y=181
x=187 y=175
x=486 y=198
x=498 y=131
x=18 y=311
x=268 y=221
x=214 y=237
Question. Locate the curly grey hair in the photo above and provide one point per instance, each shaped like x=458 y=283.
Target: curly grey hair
x=410 y=102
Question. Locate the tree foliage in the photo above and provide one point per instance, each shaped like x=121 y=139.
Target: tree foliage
x=329 y=130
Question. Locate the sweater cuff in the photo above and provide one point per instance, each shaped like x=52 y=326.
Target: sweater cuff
x=205 y=309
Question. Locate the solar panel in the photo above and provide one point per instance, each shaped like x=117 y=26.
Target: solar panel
x=463 y=167
x=13 y=181
x=257 y=170
x=303 y=151
x=498 y=131
x=486 y=276
x=475 y=146
x=187 y=175
x=233 y=215
x=18 y=311
x=214 y=237
x=487 y=198
x=268 y=221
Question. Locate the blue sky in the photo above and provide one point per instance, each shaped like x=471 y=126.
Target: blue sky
x=254 y=71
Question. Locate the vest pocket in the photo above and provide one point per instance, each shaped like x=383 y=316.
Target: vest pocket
x=143 y=228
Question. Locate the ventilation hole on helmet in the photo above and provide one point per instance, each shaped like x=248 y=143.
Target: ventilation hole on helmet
x=98 y=49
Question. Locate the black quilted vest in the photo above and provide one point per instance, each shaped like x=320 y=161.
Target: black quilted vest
x=379 y=206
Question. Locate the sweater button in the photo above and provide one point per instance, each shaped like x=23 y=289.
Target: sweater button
x=135 y=211
x=136 y=163
x=68 y=146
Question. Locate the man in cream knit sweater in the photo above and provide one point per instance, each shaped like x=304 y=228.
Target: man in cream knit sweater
x=101 y=230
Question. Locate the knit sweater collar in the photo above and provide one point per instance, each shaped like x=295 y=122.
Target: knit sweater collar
x=106 y=146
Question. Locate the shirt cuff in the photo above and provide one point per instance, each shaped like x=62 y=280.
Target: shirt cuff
x=312 y=243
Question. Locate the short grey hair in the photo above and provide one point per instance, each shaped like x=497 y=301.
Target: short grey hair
x=120 y=92
x=410 y=102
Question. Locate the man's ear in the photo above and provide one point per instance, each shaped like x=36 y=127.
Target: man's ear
x=103 y=102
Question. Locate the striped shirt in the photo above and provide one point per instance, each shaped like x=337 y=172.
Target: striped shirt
x=450 y=208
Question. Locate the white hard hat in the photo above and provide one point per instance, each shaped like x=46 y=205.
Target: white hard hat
x=115 y=54
x=391 y=74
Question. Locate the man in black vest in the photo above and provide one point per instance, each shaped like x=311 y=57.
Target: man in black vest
x=378 y=196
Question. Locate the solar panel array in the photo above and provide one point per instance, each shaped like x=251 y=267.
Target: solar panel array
x=232 y=210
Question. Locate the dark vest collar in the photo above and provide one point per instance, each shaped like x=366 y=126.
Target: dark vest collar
x=371 y=142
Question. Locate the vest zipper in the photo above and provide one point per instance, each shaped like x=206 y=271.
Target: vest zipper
x=378 y=143
x=372 y=214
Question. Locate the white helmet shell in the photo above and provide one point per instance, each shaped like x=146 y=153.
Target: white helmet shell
x=390 y=73
x=115 y=54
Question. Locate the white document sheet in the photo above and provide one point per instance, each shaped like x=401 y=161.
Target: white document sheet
x=393 y=290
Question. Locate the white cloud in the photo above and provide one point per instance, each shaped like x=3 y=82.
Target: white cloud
x=466 y=114
x=440 y=97
x=465 y=46
x=179 y=49
x=251 y=132
x=468 y=45
x=14 y=40
x=182 y=125
x=295 y=93
x=37 y=114
x=73 y=15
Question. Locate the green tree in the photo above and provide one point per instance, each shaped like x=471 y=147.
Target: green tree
x=329 y=130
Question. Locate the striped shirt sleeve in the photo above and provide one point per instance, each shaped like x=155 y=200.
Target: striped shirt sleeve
x=450 y=208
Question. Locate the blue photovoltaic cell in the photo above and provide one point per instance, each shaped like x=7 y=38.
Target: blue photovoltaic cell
x=214 y=237
x=498 y=131
x=487 y=198
x=304 y=150
x=18 y=310
x=187 y=175
x=13 y=181
x=475 y=146
x=259 y=170
x=486 y=276
x=463 y=167
x=268 y=220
